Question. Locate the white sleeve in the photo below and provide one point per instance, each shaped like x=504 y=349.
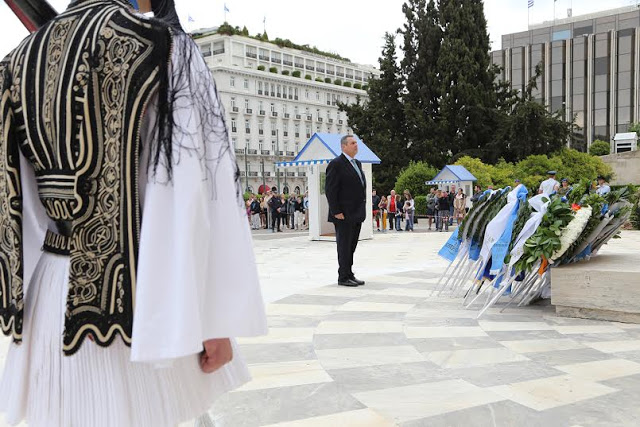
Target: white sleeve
x=197 y=277
x=34 y=221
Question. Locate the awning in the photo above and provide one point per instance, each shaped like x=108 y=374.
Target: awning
x=447 y=181
x=263 y=189
x=302 y=163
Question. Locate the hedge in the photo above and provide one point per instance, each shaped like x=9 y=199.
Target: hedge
x=420 y=205
x=261 y=68
x=296 y=73
x=273 y=70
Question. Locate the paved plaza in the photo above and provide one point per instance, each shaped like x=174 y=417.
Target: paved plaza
x=391 y=353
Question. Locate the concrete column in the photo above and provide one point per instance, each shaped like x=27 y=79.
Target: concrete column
x=547 y=75
x=590 y=85
x=636 y=77
x=613 y=82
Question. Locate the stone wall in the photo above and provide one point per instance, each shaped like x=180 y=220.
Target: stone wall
x=626 y=167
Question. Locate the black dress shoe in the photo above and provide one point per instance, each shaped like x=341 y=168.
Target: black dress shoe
x=347 y=282
x=359 y=282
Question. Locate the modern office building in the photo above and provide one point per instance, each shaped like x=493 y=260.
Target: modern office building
x=270 y=112
x=591 y=67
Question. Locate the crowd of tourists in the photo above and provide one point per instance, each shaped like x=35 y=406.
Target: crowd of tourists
x=275 y=211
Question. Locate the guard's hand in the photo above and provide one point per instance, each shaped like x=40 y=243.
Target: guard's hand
x=217 y=353
x=339 y=216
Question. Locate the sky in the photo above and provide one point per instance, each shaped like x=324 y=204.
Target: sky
x=351 y=28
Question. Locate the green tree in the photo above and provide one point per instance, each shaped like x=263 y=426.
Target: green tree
x=530 y=128
x=468 y=97
x=503 y=174
x=576 y=166
x=245 y=31
x=422 y=37
x=380 y=121
x=413 y=178
x=599 y=148
x=481 y=171
x=533 y=170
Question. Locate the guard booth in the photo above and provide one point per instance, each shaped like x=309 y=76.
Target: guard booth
x=314 y=157
x=454 y=175
x=623 y=142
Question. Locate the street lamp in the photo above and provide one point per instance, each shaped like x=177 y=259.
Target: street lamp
x=277 y=158
x=246 y=169
x=262 y=171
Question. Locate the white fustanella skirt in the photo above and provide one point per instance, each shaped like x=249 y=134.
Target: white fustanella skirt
x=97 y=387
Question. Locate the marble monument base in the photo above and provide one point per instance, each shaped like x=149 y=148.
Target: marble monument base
x=605 y=288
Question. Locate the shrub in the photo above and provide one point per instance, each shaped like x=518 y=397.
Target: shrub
x=308 y=77
x=421 y=205
x=327 y=80
x=599 y=148
x=365 y=87
x=346 y=84
x=318 y=79
x=296 y=73
x=413 y=178
x=285 y=72
x=338 y=82
x=481 y=171
x=273 y=69
x=261 y=68
x=357 y=86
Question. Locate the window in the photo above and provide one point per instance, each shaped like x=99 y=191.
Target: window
x=247 y=125
x=306 y=94
x=246 y=84
x=273 y=89
x=234 y=141
x=259 y=88
x=260 y=145
x=246 y=104
x=232 y=81
x=233 y=125
x=297 y=145
x=317 y=96
x=279 y=93
x=247 y=143
x=601 y=66
x=260 y=106
x=261 y=126
x=273 y=107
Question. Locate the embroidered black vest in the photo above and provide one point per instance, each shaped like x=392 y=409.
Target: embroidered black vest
x=72 y=99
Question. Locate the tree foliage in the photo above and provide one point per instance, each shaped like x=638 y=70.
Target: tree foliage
x=380 y=122
x=443 y=102
x=599 y=148
x=413 y=178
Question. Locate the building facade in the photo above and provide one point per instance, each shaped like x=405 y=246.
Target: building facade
x=590 y=70
x=270 y=112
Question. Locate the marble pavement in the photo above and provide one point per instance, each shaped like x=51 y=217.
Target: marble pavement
x=392 y=354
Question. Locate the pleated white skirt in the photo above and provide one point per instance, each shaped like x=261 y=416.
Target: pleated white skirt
x=97 y=387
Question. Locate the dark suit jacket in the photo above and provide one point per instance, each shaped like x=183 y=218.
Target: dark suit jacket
x=345 y=191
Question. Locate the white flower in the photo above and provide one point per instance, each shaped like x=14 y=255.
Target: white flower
x=573 y=231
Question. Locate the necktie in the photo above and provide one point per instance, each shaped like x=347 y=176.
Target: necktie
x=355 y=165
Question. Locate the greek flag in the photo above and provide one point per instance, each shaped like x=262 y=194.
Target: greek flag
x=530 y=4
x=226 y=9
x=190 y=19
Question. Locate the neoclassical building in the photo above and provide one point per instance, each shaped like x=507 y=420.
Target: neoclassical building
x=271 y=113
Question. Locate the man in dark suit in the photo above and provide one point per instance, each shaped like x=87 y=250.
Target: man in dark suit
x=345 y=188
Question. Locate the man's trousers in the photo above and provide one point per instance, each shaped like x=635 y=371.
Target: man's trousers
x=347 y=235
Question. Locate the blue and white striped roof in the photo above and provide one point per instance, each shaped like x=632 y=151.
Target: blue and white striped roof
x=328 y=149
